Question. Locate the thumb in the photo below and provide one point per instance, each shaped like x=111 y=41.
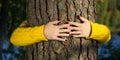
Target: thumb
x=82 y=19
x=55 y=22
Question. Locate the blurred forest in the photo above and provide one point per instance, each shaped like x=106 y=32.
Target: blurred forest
x=13 y=12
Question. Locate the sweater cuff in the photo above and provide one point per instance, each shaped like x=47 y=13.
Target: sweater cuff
x=93 y=31
x=99 y=32
x=40 y=33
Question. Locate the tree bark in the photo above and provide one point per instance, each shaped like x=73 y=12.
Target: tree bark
x=43 y=11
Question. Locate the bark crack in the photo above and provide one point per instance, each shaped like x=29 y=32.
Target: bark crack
x=43 y=50
x=40 y=12
x=35 y=11
x=66 y=51
x=88 y=53
x=47 y=12
x=36 y=51
x=88 y=10
x=57 y=10
x=66 y=3
x=32 y=53
x=49 y=49
x=75 y=10
x=80 y=48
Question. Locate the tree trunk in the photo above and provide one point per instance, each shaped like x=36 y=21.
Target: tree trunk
x=43 y=11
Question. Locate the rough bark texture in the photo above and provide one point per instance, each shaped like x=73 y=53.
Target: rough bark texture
x=43 y=11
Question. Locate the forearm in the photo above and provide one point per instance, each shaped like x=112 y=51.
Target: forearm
x=26 y=36
x=100 y=33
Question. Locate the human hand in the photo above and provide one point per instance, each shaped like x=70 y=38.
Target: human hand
x=53 y=31
x=80 y=29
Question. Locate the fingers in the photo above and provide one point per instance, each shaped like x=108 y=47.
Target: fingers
x=75 y=33
x=78 y=35
x=55 y=22
x=83 y=19
x=74 y=23
x=63 y=34
x=64 y=26
x=74 y=28
x=64 y=30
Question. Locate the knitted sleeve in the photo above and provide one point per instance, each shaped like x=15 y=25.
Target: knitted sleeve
x=99 y=32
x=23 y=36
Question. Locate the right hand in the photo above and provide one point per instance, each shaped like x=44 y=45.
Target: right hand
x=80 y=29
x=53 y=31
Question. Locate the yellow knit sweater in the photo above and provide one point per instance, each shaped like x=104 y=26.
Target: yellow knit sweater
x=23 y=36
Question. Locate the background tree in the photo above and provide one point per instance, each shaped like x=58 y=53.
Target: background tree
x=3 y=21
x=12 y=13
x=108 y=13
x=0 y=35
x=43 y=11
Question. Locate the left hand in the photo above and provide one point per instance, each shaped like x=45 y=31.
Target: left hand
x=53 y=31
x=80 y=29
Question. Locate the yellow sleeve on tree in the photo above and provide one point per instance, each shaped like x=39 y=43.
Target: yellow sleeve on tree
x=99 y=32
x=23 y=36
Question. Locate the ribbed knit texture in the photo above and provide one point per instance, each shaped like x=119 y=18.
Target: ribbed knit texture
x=99 y=32
x=23 y=36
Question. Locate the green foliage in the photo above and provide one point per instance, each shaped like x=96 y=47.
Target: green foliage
x=16 y=14
x=101 y=10
x=108 y=13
